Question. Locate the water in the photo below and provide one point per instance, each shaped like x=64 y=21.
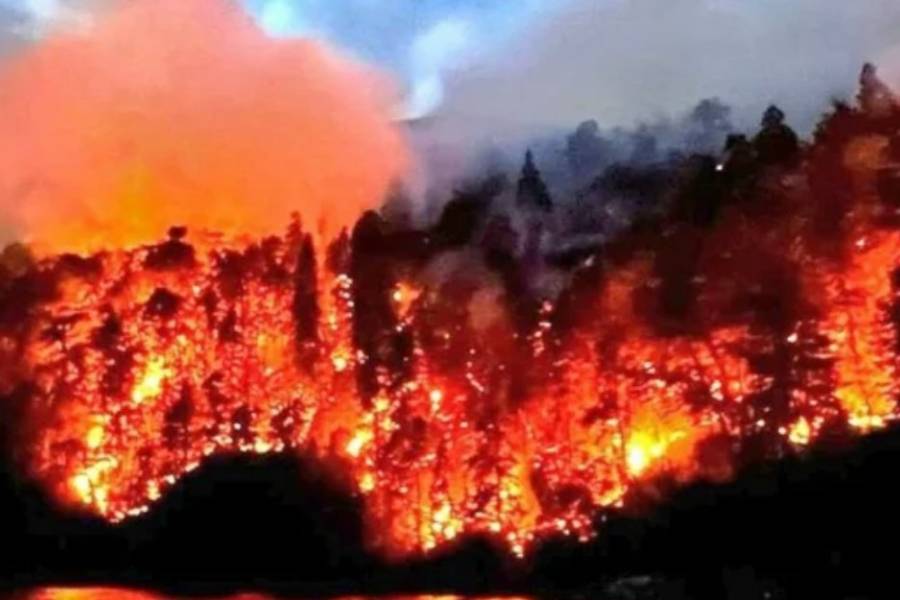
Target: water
x=125 y=594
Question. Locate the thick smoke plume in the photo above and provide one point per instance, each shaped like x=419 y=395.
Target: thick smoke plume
x=166 y=112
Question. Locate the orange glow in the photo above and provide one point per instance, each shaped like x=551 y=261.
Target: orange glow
x=158 y=392
x=861 y=335
x=358 y=442
x=151 y=382
x=94 y=437
x=340 y=362
x=404 y=297
x=644 y=449
x=800 y=432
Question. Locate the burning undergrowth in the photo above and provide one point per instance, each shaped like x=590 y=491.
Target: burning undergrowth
x=757 y=318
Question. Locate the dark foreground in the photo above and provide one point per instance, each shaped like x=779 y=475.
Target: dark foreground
x=822 y=526
x=627 y=589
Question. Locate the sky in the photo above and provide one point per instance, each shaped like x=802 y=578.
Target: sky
x=625 y=61
x=420 y=41
x=497 y=65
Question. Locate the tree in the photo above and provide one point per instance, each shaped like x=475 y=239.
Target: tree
x=16 y=259
x=500 y=241
x=306 y=305
x=397 y=210
x=831 y=183
x=174 y=253
x=875 y=98
x=467 y=211
x=375 y=331
x=739 y=160
x=776 y=143
x=709 y=123
x=587 y=152
x=532 y=192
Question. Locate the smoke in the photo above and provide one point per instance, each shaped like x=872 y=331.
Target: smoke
x=165 y=112
x=46 y=13
x=15 y=29
x=25 y=21
x=627 y=61
x=419 y=43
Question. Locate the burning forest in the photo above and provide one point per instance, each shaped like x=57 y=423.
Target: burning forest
x=514 y=370
x=751 y=315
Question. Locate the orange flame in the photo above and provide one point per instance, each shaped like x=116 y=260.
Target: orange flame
x=139 y=396
x=144 y=361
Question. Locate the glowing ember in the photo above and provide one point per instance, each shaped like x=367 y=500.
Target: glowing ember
x=800 y=432
x=150 y=384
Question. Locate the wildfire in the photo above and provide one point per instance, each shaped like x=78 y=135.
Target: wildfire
x=150 y=384
x=644 y=449
x=861 y=333
x=800 y=432
x=142 y=369
x=141 y=363
x=157 y=369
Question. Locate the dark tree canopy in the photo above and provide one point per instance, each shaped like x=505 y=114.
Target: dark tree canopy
x=467 y=210
x=776 y=142
x=532 y=192
x=397 y=209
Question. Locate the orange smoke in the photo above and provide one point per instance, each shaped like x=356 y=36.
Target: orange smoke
x=169 y=112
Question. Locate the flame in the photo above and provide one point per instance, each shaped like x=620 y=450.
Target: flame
x=146 y=389
x=861 y=335
x=800 y=432
x=643 y=449
x=404 y=297
x=141 y=372
x=150 y=385
x=144 y=361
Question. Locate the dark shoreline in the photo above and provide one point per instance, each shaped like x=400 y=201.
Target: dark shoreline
x=819 y=524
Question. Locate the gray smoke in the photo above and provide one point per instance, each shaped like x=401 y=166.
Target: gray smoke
x=627 y=61
x=643 y=65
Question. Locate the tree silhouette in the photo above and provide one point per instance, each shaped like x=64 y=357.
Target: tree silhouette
x=776 y=143
x=306 y=305
x=467 y=211
x=397 y=210
x=710 y=123
x=875 y=98
x=532 y=192
x=586 y=151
